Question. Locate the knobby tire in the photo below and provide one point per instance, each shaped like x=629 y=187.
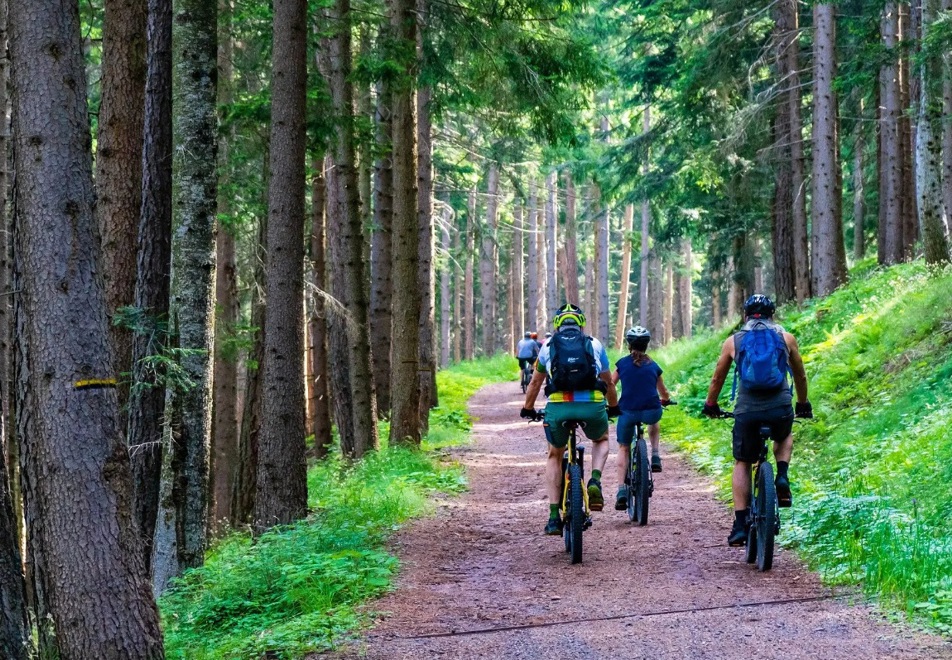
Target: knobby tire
x=642 y=485
x=577 y=512
x=766 y=520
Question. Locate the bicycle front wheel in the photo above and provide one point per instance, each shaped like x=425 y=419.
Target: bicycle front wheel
x=576 y=522
x=766 y=520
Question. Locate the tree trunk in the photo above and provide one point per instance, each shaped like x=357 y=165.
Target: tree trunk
x=928 y=151
x=14 y=625
x=192 y=302
x=789 y=32
x=782 y=210
x=243 y=494
x=908 y=94
x=947 y=126
x=487 y=262
x=469 y=308
x=601 y=219
x=119 y=164
x=224 y=450
x=426 y=275
x=454 y=259
x=571 y=237
x=622 y=318
x=446 y=275
x=891 y=166
x=518 y=270
x=317 y=324
x=586 y=302
x=758 y=265
x=281 y=481
x=88 y=576
x=668 y=302
x=147 y=398
x=551 y=245
x=347 y=255
x=643 y=286
x=685 y=292
x=542 y=274
x=829 y=251
x=405 y=350
x=656 y=317
x=532 y=262
x=716 y=312
x=381 y=291
x=859 y=199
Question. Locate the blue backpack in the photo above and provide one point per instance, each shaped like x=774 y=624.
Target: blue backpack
x=761 y=360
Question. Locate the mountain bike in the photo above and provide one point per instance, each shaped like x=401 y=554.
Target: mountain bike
x=763 y=519
x=526 y=375
x=576 y=516
x=638 y=476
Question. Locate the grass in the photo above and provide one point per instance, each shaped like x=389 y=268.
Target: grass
x=873 y=474
x=301 y=588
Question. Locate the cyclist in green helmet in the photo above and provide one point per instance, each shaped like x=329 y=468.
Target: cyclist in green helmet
x=579 y=386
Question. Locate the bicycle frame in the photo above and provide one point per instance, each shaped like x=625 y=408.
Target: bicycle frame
x=572 y=449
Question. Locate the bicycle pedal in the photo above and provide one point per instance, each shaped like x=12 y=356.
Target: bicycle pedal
x=587 y=523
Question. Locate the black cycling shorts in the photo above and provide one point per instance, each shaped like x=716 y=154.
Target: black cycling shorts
x=524 y=361
x=747 y=426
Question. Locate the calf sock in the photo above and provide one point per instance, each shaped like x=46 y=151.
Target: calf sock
x=597 y=475
x=782 y=468
x=553 y=511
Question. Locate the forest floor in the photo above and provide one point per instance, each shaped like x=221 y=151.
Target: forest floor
x=479 y=580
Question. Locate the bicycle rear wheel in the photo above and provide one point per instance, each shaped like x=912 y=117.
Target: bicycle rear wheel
x=641 y=485
x=766 y=520
x=576 y=522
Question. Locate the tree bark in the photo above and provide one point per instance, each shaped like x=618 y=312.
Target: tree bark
x=622 y=318
x=908 y=95
x=469 y=310
x=454 y=259
x=716 y=312
x=518 y=270
x=446 y=276
x=224 y=450
x=829 y=251
x=643 y=286
x=601 y=219
x=782 y=210
x=891 y=166
x=685 y=293
x=281 y=481
x=532 y=263
x=859 y=198
x=243 y=494
x=154 y=257
x=571 y=237
x=183 y=514
x=487 y=262
x=88 y=576
x=381 y=261
x=317 y=324
x=405 y=347
x=551 y=245
x=668 y=303
x=426 y=274
x=542 y=274
x=347 y=255
x=947 y=127
x=928 y=151
x=119 y=164
x=14 y=624
x=656 y=317
x=789 y=34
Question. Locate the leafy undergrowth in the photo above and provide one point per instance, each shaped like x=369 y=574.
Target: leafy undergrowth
x=873 y=473
x=299 y=589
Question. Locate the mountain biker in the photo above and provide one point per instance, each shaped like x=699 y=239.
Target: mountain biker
x=535 y=338
x=573 y=394
x=527 y=350
x=641 y=384
x=758 y=404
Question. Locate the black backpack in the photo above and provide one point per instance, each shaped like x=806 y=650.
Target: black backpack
x=572 y=366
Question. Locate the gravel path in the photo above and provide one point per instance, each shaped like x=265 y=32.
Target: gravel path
x=675 y=587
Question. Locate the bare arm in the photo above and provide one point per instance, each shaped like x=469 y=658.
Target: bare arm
x=662 y=390
x=796 y=366
x=610 y=393
x=615 y=377
x=721 y=370
x=532 y=392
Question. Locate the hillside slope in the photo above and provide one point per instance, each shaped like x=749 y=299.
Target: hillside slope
x=873 y=473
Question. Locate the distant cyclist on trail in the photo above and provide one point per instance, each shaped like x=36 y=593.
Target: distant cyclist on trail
x=643 y=394
x=764 y=354
x=579 y=383
x=527 y=350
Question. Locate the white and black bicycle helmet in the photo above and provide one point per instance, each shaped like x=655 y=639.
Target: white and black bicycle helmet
x=638 y=338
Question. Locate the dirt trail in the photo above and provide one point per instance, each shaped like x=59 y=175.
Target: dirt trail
x=482 y=562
